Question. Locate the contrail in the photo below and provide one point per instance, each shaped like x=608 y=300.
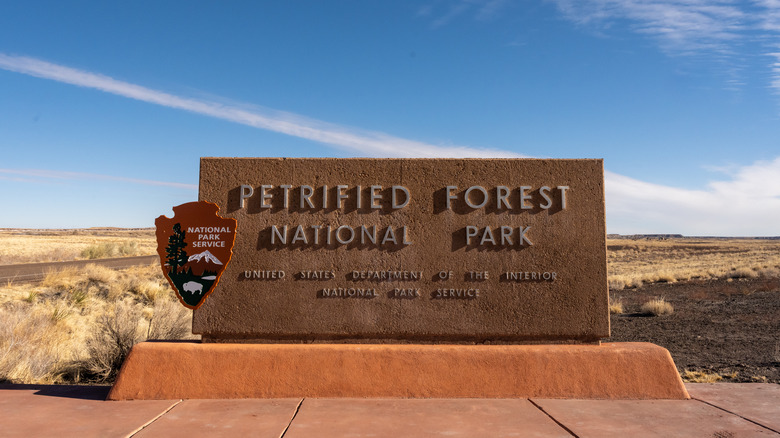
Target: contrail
x=38 y=174
x=369 y=143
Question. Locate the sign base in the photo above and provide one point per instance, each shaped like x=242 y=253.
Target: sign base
x=193 y=370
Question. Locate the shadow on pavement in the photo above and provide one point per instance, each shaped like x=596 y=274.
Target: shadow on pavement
x=82 y=392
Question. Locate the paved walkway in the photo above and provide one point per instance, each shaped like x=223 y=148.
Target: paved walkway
x=33 y=272
x=716 y=410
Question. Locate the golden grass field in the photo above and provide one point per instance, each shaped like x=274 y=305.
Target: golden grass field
x=38 y=246
x=78 y=325
x=632 y=263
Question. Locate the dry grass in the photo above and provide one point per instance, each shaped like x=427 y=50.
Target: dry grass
x=616 y=307
x=38 y=246
x=657 y=307
x=78 y=325
x=632 y=263
x=705 y=377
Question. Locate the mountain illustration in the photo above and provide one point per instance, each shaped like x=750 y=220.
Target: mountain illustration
x=209 y=258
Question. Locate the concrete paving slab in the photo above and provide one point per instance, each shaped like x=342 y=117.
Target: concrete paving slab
x=413 y=418
x=759 y=402
x=72 y=411
x=224 y=418
x=648 y=418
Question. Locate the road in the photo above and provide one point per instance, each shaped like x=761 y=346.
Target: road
x=32 y=272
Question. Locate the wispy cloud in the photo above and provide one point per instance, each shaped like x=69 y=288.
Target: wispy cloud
x=746 y=203
x=719 y=29
x=681 y=26
x=357 y=140
x=43 y=176
x=774 y=83
x=482 y=10
x=770 y=23
x=769 y=17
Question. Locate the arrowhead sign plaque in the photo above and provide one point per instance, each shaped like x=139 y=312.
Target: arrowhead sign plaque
x=195 y=247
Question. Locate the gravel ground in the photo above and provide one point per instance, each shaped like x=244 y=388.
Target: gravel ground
x=731 y=328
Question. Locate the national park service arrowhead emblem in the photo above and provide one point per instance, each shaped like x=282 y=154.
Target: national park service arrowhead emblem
x=195 y=247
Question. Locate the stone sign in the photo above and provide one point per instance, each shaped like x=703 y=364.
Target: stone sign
x=409 y=250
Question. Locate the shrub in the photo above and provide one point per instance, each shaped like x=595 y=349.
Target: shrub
x=616 y=307
x=31 y=296
x=30 y=349
x=705 y=377
x=665 y=276
x=100 y=274
x=169 y=320
x=79 y=296
x=98 y=251
x=743 y=273
x=59 y=313
x=657 y=307
x=115 y=334
x=62 y=279
x=128 y=248
x=150 y=290
x=770 y=272
x=616 y=283
x=117 y=331
x=110 y=249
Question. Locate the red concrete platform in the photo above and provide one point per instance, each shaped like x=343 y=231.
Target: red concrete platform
x=720 y=410
x=187 y=370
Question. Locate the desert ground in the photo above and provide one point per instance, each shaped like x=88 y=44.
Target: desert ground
x=723 y=297
x=713 y=303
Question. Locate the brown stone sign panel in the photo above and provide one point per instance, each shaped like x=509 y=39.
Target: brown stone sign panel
x=409 y=250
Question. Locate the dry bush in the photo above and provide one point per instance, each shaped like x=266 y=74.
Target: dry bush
x=115 y=334
x=616 y=307
x=31 y=343
x=117 y=331
x=100 y=273
x=98 y=251
x=665 y=276
x=769 y=272
x=149 y=288
x=742 y=273
x=61 y=279
x=128 y=248
x=705 y=377
x=657 y=307
x=151 y=291
x=169 y=320
x=78 y=326
x=110 y=249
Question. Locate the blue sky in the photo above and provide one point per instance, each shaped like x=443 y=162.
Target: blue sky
x=106 y=107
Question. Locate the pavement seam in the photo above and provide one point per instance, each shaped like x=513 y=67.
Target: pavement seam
x=148 y=423
x=297 y=408
x=553 y=419
x=736 y=414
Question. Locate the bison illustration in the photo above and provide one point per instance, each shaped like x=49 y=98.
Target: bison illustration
x=192 y=287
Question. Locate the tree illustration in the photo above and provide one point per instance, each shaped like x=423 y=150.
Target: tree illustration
x=177 y=257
